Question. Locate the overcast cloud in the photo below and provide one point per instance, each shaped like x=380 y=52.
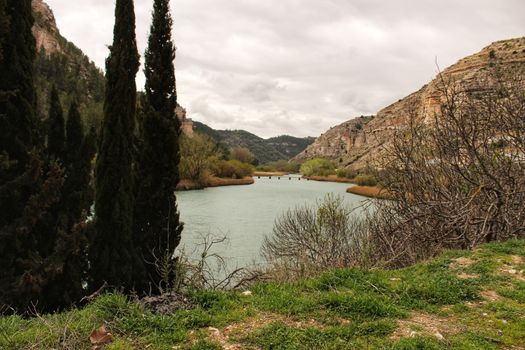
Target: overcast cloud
x=301 y=66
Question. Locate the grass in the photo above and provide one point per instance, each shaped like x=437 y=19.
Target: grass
x=460 y=300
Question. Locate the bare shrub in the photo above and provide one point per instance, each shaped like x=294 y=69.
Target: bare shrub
x=310 y=239
x=202 y=269
x=457 y=177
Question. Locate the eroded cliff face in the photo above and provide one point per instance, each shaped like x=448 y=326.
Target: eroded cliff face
x=362 y=142
x=45 y=28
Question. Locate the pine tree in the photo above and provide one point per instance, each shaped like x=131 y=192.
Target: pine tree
x=56 y=133
x=157 y=225
x=112 y=253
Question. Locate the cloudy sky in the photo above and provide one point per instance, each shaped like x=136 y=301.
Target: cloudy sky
x=301 y=66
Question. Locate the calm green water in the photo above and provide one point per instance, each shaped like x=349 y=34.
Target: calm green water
x=246 y=214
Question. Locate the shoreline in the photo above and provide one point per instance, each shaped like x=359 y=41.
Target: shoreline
x=270 y=173
x=370 y=192
x=331 y=178
x=190 y=185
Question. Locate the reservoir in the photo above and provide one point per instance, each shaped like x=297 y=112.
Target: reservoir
x=246 y=214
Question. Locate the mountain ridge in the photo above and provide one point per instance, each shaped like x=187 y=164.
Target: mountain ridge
x=265 y=150
x=364 y=147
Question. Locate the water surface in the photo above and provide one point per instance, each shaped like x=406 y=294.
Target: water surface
x=245 y=214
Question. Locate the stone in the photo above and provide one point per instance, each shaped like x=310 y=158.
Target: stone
x=362 y=142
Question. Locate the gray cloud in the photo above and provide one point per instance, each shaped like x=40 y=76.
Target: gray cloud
x=300 y=67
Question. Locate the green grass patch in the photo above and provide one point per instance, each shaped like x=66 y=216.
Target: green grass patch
x=351 y=308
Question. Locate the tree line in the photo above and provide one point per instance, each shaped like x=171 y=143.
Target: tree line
x=80 y=211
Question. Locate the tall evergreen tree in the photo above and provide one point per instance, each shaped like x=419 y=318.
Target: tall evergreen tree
x=79 y=151
x=56 y=132
x=28 y=188
x=4 y=25
x=74 y=134
x=112 y=253
x=68 y=256
x=18 y=98
x=157 y=225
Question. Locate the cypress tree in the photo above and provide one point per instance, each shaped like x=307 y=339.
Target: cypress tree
x=4 y=25
x=28 y=188
x=157 y=225
x=18 y=97
x=112 y=254
x=79 y=152
x=55 y=135
x=18 y=170
x=70 y=246
x=74 y=134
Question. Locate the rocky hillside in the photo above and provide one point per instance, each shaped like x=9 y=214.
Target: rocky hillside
x=61 y=63
x=265 y=150
x=361 y=142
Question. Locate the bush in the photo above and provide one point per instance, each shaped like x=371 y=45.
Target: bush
x=281 y=166
x=318 y=167
x=242 y=154
x=450 y=187
x=232 y=169
x=366 y=180
x=308 y=240
x=198 y=153
x=266 y=168
x=346 y=173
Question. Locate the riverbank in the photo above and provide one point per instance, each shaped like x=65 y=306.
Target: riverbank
x=189 y=185
x=370 y=192
x=460 y=300
x=270 y=173
x=331 y=178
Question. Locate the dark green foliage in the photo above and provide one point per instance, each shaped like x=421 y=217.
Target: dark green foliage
x=73 y=74
x=76 y=79
x=157 y=226
x=62 y=265
x=112 y=253
x=55 y=134
x=265 y=151
x=80 y=150
x=290 y=146
x=74 y=134
x=20 y=170
x=4 y=25
x=17 y=100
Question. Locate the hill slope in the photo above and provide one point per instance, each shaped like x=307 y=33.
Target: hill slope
x=359 y=143
x=461 y=300
x=61 y=63
x=265 y=150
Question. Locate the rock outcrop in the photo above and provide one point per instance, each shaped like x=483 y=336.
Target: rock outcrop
x=45 y=28
x=361 y=142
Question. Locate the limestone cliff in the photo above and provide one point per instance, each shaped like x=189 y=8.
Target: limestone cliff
x=45 y=28
x=360 y=142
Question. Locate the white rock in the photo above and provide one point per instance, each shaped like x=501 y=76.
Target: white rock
x=247 y=293
x=213 y=330
x=439 y=336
